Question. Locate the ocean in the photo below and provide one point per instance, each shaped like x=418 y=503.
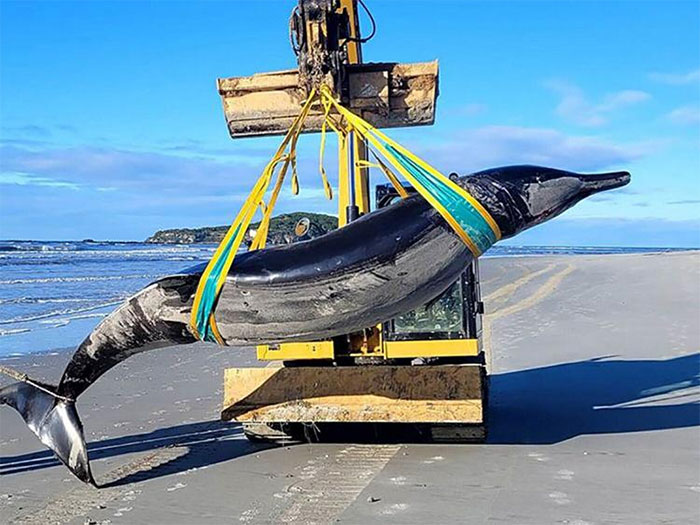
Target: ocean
x=52 y=294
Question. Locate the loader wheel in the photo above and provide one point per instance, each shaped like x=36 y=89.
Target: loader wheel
x=456 y=433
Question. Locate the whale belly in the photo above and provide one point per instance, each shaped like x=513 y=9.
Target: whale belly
x=330 y=303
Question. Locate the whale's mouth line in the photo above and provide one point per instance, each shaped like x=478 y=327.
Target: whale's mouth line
x=605 y=181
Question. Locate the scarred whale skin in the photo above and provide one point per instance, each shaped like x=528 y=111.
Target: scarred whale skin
x=384 y=264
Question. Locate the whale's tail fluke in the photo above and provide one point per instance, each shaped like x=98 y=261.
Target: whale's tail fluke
x=55 y=422
x=153 y=318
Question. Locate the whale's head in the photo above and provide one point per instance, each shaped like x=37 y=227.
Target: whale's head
x=519 y=197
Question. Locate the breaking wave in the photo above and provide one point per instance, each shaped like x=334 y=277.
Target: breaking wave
x=52 y=293
x=55 y=313
x=13 y=331
x=41 y=280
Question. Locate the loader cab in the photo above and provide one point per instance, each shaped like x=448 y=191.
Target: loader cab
x=454 y=315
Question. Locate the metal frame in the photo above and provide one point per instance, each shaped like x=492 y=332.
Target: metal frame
x=472 y=307
x=281 y=403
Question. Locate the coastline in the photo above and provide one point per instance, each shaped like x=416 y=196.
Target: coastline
x=82 y=324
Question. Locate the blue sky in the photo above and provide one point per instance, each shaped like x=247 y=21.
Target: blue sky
x=111 y=126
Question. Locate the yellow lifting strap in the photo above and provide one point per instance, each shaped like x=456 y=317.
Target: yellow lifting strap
x=393 y=179
x=462 y=211
x=202 y=321
x=467 y=217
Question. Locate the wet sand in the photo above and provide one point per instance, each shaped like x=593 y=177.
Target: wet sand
x=594 y=419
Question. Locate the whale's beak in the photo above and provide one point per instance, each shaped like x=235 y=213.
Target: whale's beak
x=520 y=197
x=604 y=181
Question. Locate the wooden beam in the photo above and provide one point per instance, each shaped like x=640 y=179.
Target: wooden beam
x=397 y=394
x=386 y=94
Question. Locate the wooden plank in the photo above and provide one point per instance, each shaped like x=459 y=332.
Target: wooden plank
x=386 y=94
x=259 y=82
x=397 y=394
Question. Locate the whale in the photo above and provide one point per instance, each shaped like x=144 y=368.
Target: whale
x=381 y=265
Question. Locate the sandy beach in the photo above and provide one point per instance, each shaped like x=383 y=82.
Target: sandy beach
x=594 y=419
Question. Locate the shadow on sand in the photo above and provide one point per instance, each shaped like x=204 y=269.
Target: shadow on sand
x=599 y=396
x=204 y=443
x=537 y=406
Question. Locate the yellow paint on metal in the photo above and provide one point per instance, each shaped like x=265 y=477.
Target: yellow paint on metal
x=366 y=343
x=343 y=182
x=374 y=346
x=359 y=152
x=292 y=351
x=354 y=48
x=397 y=394
x=438 y=348
x=361 y=175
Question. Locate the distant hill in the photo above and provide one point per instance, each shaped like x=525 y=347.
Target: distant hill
x=281 y=230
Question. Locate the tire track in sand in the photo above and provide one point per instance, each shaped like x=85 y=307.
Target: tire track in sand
x=83 y=500
x=334 y=485
x=547 y=288
x=509 y=289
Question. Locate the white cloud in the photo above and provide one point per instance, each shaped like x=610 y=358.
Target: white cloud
x=685 y=115
x=130 y=193
x=575 y=107
x=502 y=145
x=101 y=167
x=621 y=99
x=27 y=179
x=677 y=79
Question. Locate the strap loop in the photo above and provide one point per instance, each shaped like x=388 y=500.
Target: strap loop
x=202 y=321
